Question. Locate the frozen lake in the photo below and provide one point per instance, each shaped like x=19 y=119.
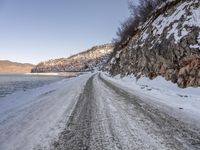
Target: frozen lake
x=10 y=83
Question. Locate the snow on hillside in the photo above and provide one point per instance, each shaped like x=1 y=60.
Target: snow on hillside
x=181 y=11
x=84 y=61
x=186 y=10
x=167 y=44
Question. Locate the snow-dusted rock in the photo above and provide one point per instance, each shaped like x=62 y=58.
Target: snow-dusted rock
x=84 y=61
x=167 y=44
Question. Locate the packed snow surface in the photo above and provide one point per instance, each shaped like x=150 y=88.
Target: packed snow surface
x=181 y=103
x=96 y=111
x=111 y=118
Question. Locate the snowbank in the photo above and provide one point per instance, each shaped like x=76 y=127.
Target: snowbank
x=181 y=103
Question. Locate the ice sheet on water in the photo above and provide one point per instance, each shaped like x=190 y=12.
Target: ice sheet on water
x=9 y=83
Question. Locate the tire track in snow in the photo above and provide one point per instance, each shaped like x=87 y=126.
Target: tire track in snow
x=109 y=118
x=176 y=134
x=77 y=132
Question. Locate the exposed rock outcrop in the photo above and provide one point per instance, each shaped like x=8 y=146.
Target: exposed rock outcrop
x=84 y=61
x=168 y=44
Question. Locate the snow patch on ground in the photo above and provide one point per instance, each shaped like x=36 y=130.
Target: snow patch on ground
x=194 y=19
x=173 y=30
x=198 y=38
x=195 y=46
x=143 y=38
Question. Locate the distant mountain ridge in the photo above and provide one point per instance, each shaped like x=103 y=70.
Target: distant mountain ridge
x=92 y=58
x=9 y=66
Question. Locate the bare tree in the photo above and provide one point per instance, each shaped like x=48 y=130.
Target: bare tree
x=138 y=15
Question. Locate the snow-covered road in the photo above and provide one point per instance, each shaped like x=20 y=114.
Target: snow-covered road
x=108 y=117
x=89 y=112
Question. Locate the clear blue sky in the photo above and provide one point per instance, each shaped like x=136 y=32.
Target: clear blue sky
x=37 y=30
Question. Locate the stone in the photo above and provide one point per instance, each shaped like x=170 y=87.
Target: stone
x=159 y=55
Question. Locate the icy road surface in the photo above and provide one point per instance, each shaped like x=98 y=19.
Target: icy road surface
x=89 y=113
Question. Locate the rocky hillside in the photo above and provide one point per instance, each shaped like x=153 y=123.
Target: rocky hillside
x=8 y=66
x=167 y=44
x=84 y=61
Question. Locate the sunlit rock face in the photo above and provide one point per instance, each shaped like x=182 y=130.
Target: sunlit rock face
x=168 y=44
x=91 y=59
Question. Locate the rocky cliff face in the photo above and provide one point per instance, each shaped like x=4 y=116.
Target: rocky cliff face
x=87 y=60
x=168 y=44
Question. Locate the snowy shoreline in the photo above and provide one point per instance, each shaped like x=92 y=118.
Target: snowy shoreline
x=45 y=74
x=55 y=74
x=34 y=118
